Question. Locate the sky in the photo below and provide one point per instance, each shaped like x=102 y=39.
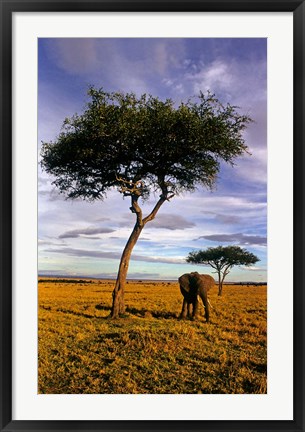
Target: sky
x=77 y=238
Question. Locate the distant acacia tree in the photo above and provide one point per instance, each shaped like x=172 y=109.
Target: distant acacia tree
x=142 y=145
x=222 y=259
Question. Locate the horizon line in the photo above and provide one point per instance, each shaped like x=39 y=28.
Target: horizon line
x=139 y=279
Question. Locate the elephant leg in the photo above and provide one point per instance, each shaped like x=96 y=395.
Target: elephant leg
x=195 y=308
x=189 y=309
x=184 y=309
x=204 y=298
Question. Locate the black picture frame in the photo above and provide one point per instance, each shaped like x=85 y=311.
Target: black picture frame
x=7 y=9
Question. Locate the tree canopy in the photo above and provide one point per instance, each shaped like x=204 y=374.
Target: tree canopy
x=142 y=145
x=222 y=259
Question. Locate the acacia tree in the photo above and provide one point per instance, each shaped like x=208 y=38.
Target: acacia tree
x=222 y=259
x=142 y=146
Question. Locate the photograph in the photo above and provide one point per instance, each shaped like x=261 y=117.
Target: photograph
x=152 y=215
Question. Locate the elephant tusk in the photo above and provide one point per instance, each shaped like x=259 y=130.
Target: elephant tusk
x=210 y=304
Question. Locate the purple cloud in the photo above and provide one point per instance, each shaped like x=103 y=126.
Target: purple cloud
x=85 y=231
x=239 y=238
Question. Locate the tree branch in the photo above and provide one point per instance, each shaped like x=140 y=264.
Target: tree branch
x=225 y=272
x=163 y=197
x=155 y=210
x=135 y=208
x=129 y=188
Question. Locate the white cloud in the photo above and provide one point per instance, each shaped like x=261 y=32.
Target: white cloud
x=168 y=82
x=254 y=168
x=75 y=56
x=216 y=76
x=253 y=268
x=240 y=83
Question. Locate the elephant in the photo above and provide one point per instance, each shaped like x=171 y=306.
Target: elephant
x=192 y=285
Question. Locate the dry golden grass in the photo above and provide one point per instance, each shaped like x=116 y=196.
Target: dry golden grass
x=150 y=350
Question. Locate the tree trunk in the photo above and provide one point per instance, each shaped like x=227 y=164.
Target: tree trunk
x=221 y=280
x=219 y=284
x=118 y=305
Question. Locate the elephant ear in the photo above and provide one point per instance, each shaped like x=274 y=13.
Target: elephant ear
x=207 y=281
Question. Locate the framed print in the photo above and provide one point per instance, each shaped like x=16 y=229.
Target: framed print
x=152 y=215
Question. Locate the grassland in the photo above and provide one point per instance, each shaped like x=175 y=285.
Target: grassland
x=150 y=350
